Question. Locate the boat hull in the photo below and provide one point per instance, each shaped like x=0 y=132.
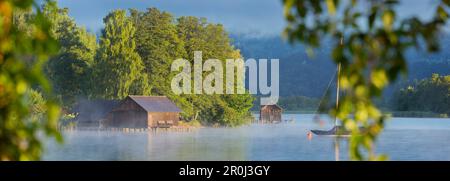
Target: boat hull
x=335 y=131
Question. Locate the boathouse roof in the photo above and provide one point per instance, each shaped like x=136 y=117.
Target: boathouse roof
x=273 y=106
x=155 y=103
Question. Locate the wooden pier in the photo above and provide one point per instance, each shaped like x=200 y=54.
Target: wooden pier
x=134 y=130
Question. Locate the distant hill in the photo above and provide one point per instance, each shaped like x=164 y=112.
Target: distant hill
x=301 y=75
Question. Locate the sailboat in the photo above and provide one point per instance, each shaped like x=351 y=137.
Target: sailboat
x=337 y=130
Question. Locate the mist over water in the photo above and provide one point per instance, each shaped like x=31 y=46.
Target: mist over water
x=403 y=139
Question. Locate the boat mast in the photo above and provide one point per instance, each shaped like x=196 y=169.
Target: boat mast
x=336 y=141
x=337 y=92
x=337 y=86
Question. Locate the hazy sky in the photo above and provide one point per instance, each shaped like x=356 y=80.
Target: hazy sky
x=238 y=16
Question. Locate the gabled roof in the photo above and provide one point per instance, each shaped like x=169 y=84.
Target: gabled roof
x=155 y=103
x=273 y=105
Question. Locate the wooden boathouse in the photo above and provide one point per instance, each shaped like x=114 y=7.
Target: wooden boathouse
x=143 y=112
x=270 y=113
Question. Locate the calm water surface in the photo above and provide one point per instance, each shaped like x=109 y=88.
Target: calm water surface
x=403 y=139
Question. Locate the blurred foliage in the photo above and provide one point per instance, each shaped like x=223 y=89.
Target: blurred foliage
x=432 y=95
x=372 y=54
x=23 y=51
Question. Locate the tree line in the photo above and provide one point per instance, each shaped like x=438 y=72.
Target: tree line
x=133 y=55
x=429 y=95
x=418 y=98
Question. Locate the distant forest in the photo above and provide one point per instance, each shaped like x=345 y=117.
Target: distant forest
x=304 y=78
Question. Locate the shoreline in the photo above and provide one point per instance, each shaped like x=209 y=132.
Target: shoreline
x=395 y=114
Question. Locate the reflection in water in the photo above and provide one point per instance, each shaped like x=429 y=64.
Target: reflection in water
x=404 y=139
x=336 y=149
x=208 y=144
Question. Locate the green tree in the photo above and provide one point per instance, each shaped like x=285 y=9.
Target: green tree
x=237 y=109
x=70 y=70
x=429 y=95
x=160 y=41
x=214 y=42
x=23 y=52
x=118 y=69
x=158 y=45
x=372 y=54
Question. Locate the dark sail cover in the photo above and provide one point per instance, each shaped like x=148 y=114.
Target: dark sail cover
x=335 y=131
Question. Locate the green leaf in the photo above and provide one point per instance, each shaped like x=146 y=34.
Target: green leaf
x=331 y=7
x=442 y=13
x=388 y=18
x=446 y=2
x=379 y=78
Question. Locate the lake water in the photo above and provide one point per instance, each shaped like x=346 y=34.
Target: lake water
x=403 y=139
